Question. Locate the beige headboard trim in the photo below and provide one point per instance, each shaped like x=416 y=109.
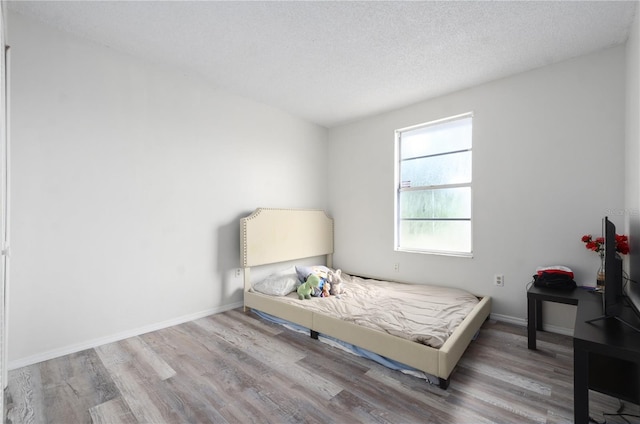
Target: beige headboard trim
x=276 y=235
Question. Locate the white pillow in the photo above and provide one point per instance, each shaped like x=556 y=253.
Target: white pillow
x=280 y=283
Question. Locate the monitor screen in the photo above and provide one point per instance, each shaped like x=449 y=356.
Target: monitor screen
x=613 y=295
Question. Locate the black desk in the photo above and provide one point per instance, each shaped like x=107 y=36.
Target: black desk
x=606 y=356
x=606 y=353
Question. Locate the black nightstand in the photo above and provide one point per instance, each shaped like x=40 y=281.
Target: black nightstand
x=537 y=295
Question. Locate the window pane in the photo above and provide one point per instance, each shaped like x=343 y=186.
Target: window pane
x=434 y=172
x=448 y=236
x=441 y=203
x=447 y=169
x=438 y=138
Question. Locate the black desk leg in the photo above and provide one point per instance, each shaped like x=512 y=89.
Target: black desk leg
x=580 y=385
x=538 y=315
x=532 y=322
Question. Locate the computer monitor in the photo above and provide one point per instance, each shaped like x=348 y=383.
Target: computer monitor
x=614 y=297
x=613 y=282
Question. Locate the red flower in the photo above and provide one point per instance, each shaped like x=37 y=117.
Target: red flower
x=592 y=245
x=622 y=244
x=597 y=245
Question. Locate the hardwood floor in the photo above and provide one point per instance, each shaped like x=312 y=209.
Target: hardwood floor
x=237 y=368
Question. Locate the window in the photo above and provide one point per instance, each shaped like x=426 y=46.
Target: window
x=433 y=187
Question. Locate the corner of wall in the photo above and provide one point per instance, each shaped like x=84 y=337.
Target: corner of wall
x=632 y=145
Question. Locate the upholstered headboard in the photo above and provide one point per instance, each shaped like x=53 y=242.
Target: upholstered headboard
x=277 y=235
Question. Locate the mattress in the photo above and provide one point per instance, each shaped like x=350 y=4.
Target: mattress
x=421 y=313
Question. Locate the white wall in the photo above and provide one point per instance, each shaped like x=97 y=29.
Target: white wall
x=548 y=165
x=632 y=153
x=4 y=163
x=128 y=183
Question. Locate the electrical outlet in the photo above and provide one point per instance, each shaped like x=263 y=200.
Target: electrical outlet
x=498 y=280
x=396 y=267
x=238 y=272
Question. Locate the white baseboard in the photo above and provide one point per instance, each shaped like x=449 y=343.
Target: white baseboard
x=558 y=330
x=90 y=344
x=523 y=322
x=509 y=319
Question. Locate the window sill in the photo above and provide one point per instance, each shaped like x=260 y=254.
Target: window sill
x=436 y=252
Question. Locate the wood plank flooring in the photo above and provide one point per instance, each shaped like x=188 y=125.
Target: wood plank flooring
x=235 y=367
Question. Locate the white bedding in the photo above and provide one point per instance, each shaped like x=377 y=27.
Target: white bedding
x=421 y=313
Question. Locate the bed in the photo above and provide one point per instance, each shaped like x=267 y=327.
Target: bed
x=272 y=236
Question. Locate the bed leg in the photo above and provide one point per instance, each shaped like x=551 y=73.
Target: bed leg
x=443 y=383
x=314 y=334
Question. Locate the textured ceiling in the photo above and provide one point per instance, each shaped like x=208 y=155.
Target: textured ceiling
x=334 y=61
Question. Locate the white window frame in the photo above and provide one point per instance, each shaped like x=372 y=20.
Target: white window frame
x=398 y=189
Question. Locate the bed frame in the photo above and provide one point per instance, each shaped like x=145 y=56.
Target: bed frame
x=270 y=236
